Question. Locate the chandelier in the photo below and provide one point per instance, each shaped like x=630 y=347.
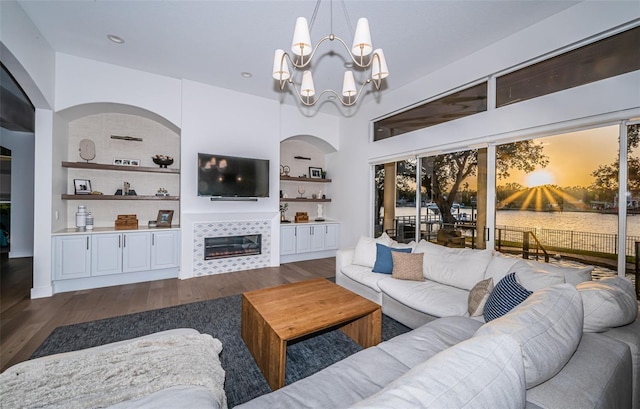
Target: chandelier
x=361 y=53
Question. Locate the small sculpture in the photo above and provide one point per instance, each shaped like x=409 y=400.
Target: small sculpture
x=320 y=211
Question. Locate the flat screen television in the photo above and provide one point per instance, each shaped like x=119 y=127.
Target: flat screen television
x=222 y=176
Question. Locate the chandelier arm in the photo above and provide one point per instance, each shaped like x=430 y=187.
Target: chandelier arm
x=331 y=37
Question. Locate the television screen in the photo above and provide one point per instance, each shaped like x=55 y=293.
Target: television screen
x=230 y=176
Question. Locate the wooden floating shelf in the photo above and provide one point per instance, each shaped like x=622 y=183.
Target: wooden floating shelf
x=294 y=179
x=104 y=166
x=118 y=197
x=295 y=199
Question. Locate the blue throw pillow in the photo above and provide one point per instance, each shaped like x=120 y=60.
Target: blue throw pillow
x=384 y=261
x=505 y=296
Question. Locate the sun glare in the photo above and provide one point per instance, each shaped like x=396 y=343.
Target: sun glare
x=539 y=178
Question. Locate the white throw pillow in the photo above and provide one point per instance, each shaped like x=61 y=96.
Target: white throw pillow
x=365 y=251
x=548 y=326
x=571 y=275
x=461 y=268
x=481 y=372
x=534 y=278
x=500 y=266
x=608 y=303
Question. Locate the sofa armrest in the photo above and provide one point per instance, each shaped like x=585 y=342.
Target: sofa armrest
x=344 y=258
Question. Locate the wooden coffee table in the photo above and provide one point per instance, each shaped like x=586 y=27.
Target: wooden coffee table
x=274 y=316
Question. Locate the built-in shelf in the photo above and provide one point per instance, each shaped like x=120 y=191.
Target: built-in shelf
x=294 y=179
x=118 y=197
x=295 y=199
x=104 y=166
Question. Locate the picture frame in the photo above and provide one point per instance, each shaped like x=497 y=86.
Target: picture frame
x=82 y=186
x=315 y=173
x=164 y=218
x=126 y=162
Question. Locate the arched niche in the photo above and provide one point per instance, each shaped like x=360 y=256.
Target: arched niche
x=79 y=111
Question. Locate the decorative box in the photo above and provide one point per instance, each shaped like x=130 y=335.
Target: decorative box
x=301 y=217
x=127 y=222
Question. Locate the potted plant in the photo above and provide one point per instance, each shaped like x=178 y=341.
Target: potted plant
x=323 y=174
x=283 y=208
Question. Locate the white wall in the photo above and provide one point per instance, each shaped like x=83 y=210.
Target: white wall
x=601 y=102
x=22 y=145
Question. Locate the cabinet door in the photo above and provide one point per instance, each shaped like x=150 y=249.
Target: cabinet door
x=317 y=238
x=332 y=236
x=73 y=257
x=164 y=249
x=106 y=254
x=287 y=240
x=303 y=239
x=136 y=252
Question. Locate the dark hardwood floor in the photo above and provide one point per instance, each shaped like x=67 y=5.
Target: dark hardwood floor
x=26 y=323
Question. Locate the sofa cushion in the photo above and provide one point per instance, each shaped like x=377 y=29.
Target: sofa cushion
x=458 y=267
x=407 y=266
x=422 y=343
x=482 y=372
x=478 y=297
x=534 y=278
x=507 y=294
x=363 y=275
x=548 y=326
x=499 y=266
x=428 y=297
x=365 y=251
x=608 y=303
x=384 y=261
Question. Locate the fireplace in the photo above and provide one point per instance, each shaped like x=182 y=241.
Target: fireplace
x=232 y=246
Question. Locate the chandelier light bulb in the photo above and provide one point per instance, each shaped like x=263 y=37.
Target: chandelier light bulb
x=379 y=68
x=348 y=84
x=362 y=45
x=280 y=66
x=307 y=89
x=301 y=44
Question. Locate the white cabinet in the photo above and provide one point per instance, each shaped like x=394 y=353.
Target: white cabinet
x=308 y=241
x=120 y=253
x=287 y=240
x=164 y=249
x=332 y=236
x=106 y=256
x=72 y=257
x=303 y=239
x=99 y=259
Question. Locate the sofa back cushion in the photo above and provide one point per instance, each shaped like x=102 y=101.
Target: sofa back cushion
x=365 y=251
x=461 y=268
x=608 y=303
x=548 y=326
x=482 y=372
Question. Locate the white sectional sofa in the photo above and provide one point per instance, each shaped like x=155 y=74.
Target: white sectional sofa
x=572 y=342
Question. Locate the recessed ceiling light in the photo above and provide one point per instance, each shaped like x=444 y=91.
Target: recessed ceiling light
x=115 y=39
x=348 y=64
x=246 y=74
x=331 y=97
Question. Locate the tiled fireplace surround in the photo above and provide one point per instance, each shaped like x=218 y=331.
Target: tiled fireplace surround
x=225 y=228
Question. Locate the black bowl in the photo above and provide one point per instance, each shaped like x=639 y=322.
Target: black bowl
x=163 y=163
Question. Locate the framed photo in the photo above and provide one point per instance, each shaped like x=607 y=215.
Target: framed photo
x=126 y=162
x=164 y=218
x=315 y=173
x=82 y=186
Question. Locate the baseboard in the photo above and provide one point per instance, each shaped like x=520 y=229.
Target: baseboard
x=41 y=292
x=20 y=254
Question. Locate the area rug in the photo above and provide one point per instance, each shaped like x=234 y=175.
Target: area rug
x=221 y=319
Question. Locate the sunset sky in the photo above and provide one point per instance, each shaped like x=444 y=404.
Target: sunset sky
x=572 y=157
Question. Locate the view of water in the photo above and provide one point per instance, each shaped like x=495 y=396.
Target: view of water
x=576 y=221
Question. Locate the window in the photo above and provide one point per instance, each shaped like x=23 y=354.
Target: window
x=606 y=58
x=469 y=101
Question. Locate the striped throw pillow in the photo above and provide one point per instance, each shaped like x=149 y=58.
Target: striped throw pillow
x=506 y=295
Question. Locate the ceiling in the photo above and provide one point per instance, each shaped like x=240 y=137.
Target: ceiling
x=214 y=41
